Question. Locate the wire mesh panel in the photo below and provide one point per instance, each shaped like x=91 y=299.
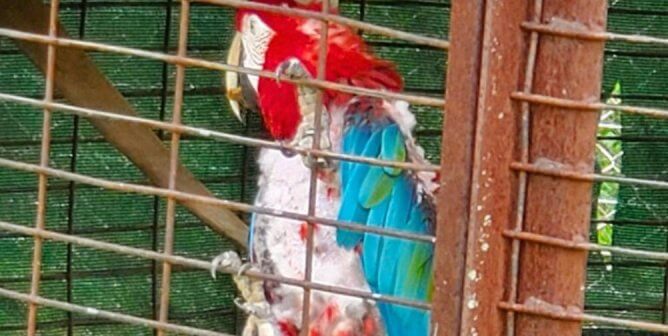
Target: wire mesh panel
x=631 y=145
x=84 y=271
x=117 y=244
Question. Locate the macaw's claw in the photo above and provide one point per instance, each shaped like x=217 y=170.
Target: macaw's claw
x=306 y=141
x=293 y=69
x=229 y=260
x=307 y=98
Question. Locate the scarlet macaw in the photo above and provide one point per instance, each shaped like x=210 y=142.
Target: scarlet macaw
x=355 y=192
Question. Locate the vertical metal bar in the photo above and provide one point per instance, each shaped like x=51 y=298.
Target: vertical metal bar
x=493 y=186
x=459 y=124
x=524 y=158
x=44 y=162
x=313 y=182
x=571 y=69
x=174 y=163
x=155 y=230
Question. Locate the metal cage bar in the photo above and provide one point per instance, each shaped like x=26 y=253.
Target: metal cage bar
x=174 y=59
x=44 y=162
x=313 y=179
x=187 y=197
x=327 y=17
x=205 y=265
x=524 y=142
x=170 y=217
x=496 y=189
x=214 y=135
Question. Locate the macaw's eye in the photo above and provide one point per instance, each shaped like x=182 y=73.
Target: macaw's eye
x=252 y=26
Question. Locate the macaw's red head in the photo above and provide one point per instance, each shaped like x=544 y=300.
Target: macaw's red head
x=268 y=40
x=349 y=61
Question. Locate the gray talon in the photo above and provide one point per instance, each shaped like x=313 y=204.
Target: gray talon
x=307 y=97
x=292 y=68
x=229 y=260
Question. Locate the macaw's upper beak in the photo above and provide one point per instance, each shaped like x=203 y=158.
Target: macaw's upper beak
x=233 y=89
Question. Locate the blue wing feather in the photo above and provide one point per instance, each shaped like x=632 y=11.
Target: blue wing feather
x=372 y=242
x=353 y=143
x=397 y=216
x=351 y=209
x=386 y=197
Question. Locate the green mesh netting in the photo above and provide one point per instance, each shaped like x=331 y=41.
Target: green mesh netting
x=130 y=285
x=622 y=287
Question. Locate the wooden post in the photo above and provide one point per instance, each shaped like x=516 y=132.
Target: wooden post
x=477 y=268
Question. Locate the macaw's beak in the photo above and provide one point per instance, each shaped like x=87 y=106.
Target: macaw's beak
x=233 y=89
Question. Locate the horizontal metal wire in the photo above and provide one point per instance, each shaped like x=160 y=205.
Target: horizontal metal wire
x=560 y=313
x=593 y=107
x=204 y=265
x=584 y=246
x=105 y=314
x=200 y=63
x=541 y=169
x=560 y=29
x=210 y=134
x=182 y=196
x=368 y=27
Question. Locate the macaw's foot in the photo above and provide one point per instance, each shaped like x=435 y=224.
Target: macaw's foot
x=260 y=320
x=293 y=69
x=228 y=260
x=308 y=100
x=305 y=138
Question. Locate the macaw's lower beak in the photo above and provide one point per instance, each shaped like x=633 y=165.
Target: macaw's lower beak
x=233 y=89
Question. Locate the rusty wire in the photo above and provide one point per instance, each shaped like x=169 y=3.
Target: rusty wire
x=572 y=31
x=313 y=179
x=583 y=245
x=45 y=149
x=173 y=164
x=325 y=16
x=522 y=178
x=559 y=313
x=112 y=316
x=214 y=135
x=195 y=62
x=182 y=196
x=551 y=169
x=589 y=107
x=181 y=60
x=204 y=265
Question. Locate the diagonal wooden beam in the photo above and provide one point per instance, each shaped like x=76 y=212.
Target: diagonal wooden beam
x=80 y=81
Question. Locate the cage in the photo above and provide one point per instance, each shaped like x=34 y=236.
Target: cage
x=524 y=83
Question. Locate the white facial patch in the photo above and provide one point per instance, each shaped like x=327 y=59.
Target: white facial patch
x=255 y=38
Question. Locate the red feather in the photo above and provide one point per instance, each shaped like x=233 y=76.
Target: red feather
x=349 y=61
